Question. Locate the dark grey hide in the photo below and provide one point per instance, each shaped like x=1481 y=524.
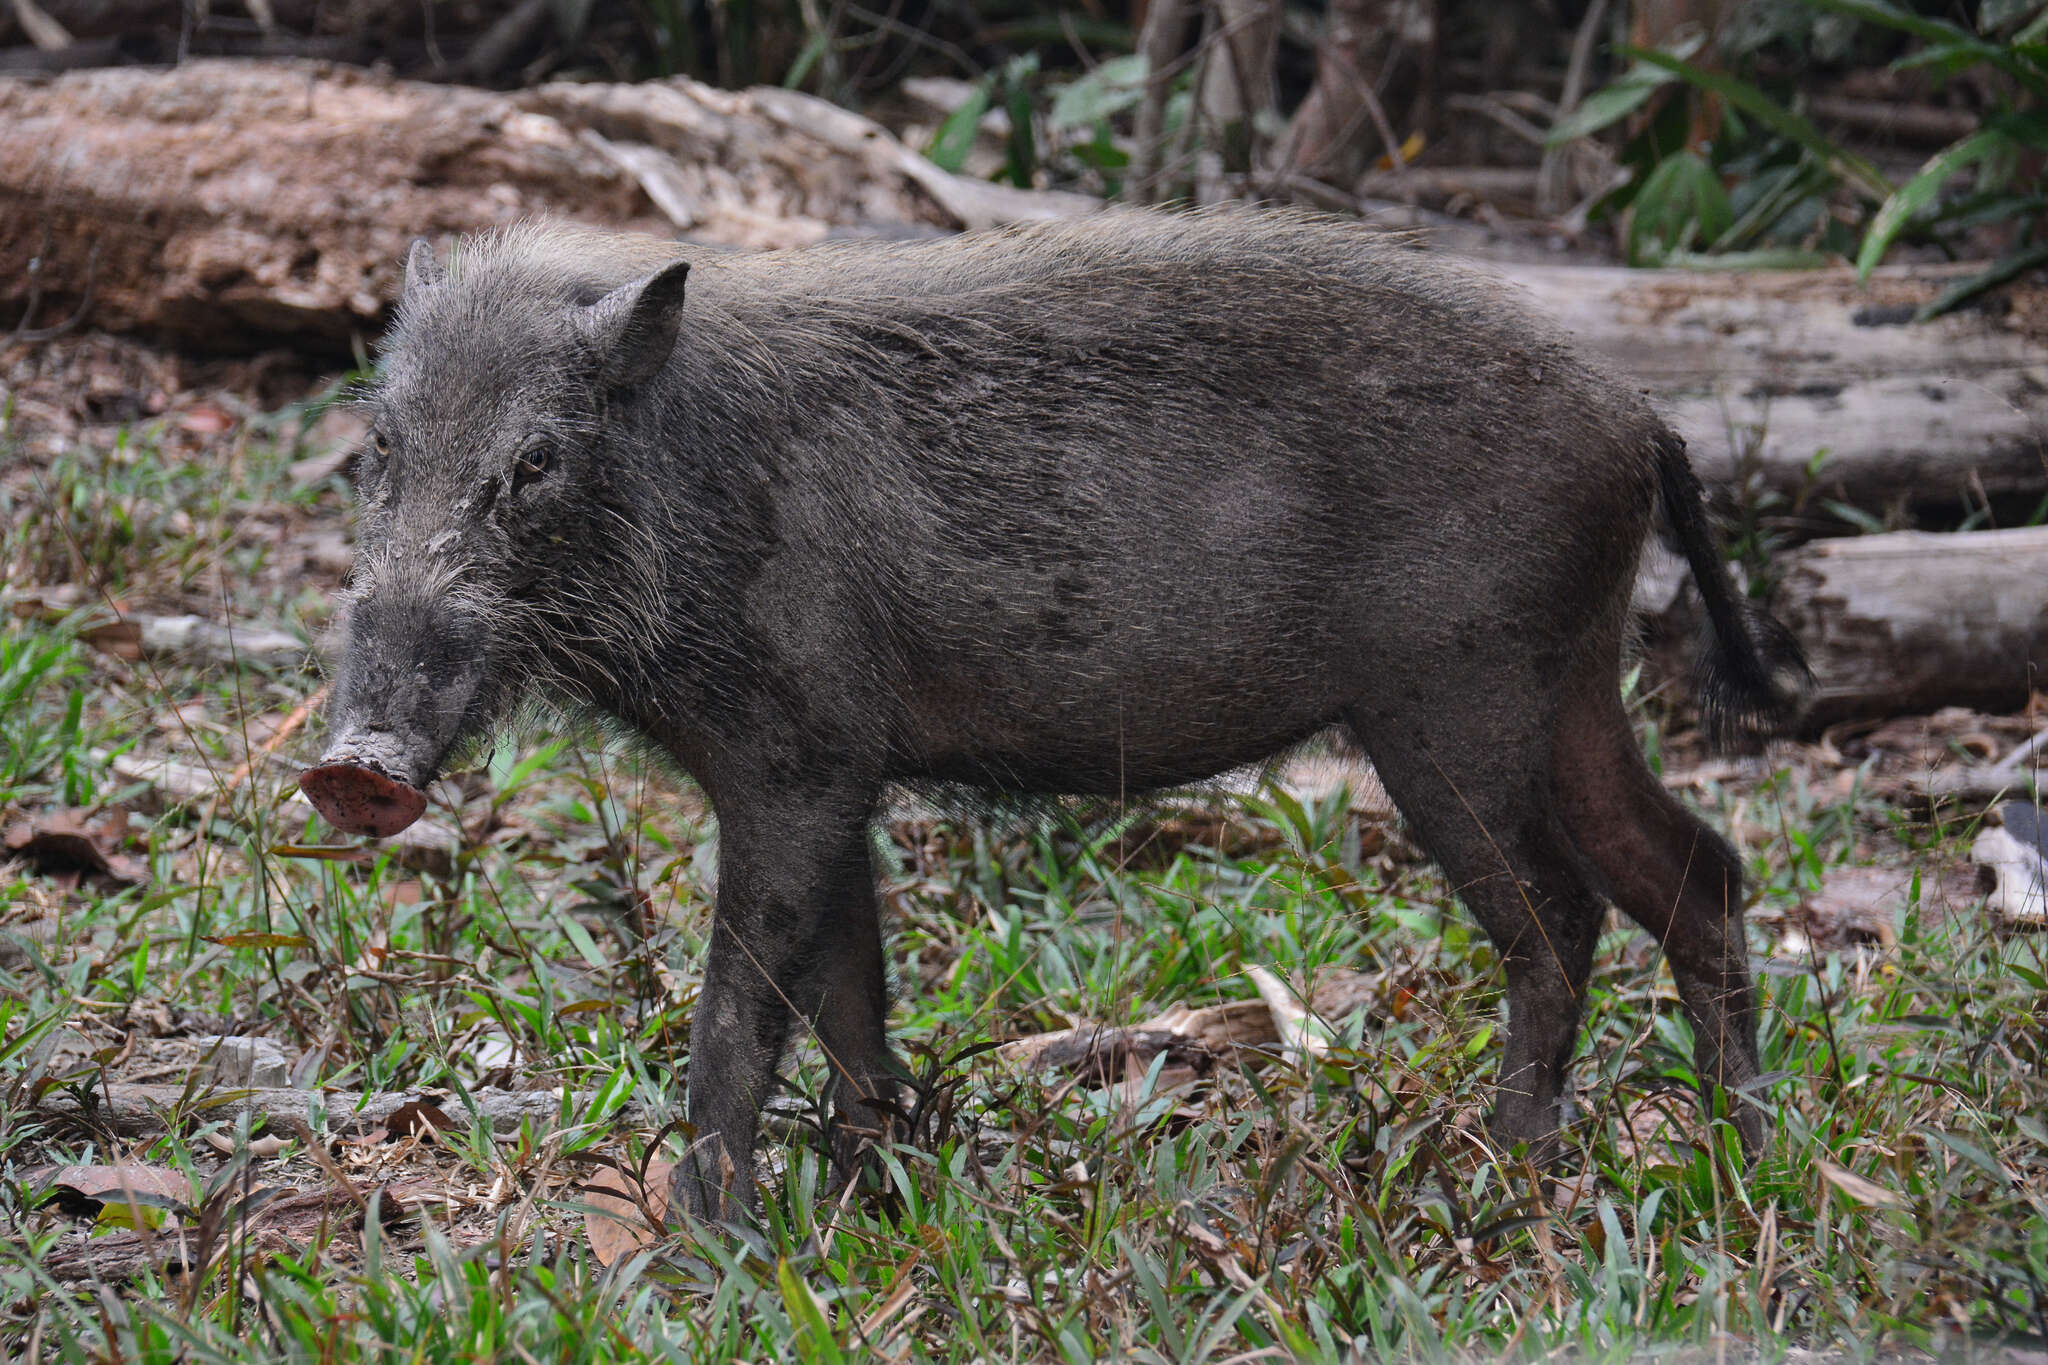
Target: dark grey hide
x=1088 y=507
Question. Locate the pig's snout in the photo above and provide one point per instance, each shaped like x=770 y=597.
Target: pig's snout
x=413 y=669
x=361 y=800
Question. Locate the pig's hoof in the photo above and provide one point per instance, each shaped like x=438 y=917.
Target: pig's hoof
x=361 y=801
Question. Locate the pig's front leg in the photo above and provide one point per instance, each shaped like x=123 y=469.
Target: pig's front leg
x=796 y=937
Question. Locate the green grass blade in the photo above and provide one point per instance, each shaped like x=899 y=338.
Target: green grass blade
x=1955 y=40
x=1962 y=291
x=955 y=138
x=1907 y=202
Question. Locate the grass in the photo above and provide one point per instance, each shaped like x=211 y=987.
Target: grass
x=1341 y=1209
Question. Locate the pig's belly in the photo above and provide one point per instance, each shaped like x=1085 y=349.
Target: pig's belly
x=1050 y=749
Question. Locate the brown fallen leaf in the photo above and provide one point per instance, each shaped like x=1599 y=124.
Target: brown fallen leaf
x=257 y=1147
x=1103 y=1054
x=206 y=419
x=122 y=639
x=417 y=1117
x=617 y=1223
x=62 y=844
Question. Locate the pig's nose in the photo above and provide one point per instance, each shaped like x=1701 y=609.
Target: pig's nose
x=362 y=801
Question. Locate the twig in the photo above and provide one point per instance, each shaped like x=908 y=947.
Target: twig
x=503 y=38
x=46 y=33
x=1341 y=90
x=1493 y=107
x=1159 y=44
x=23 y=334
x=270 y=746
x=1552 y=187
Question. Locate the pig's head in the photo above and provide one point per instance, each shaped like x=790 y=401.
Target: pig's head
x=498 y=549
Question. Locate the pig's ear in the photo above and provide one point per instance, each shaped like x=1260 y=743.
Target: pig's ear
x=422 y=271
x=634 y=327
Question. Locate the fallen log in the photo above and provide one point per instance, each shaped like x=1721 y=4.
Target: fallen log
x=1818 y=387
x=1910 y=621
x=229 y=205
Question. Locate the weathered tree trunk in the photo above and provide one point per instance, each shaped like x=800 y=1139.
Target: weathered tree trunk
x=1913 y=621
x=232 y=205
x=1374 y=67
x=1160 y=40
x=1819 y=388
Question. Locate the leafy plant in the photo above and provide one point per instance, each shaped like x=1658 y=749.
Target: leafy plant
x=1767 y=187
x=2007 y=141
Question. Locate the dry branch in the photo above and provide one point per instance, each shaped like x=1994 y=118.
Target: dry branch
x=141 y=1110
x=1343 y=123
x=1194 y=1040
x=1159 y=42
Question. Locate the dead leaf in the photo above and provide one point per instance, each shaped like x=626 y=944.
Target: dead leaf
x=1193 y=1039
x=122 y=639
x=206 y=419
x=417 y=1117
x=1861 y=907
x=1858 y=1189
x=62 y=843
x=392 y=1209
x=1104 y=1054
x=257 y=1147
x=617 y=1224
x=324 y=853
x=259 y=940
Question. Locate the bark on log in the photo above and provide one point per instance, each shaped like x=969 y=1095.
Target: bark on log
x=1762 y=371
x=233 y=205
x=1910 y=622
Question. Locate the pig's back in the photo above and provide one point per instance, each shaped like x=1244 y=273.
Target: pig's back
x=1098 y=480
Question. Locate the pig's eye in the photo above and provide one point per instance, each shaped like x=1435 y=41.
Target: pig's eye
x=381 y=445
x=531 y=464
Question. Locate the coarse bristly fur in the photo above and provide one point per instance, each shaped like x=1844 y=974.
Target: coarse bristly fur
x=1085 y=507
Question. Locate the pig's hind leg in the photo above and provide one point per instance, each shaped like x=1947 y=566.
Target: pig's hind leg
x=1473 y=780
x=1671 y=874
